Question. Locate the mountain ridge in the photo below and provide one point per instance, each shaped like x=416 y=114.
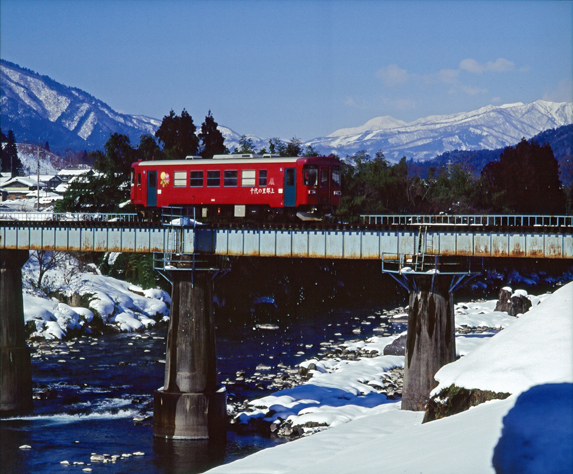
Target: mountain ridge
x=488 y=127
x=39 y=109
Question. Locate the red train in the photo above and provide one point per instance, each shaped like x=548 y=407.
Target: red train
x=240 y=185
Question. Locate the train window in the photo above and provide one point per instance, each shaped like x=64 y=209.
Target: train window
x=248 y=178
x=213 y=178
x=152 y=180
x=310 y=175
x=196 y=179
x=132 y=177
x=324 y=177
x=262 y=177
x=139 y=179
x=336 y=175
x=230 y=178
x=180 y=179
x=289 y=177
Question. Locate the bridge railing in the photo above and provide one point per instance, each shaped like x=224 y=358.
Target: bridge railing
x=491 y=220
x=68 y=217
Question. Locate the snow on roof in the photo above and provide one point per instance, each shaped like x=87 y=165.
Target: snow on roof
x=47 y=177
x=67 y=172
x=43 y=194
x=23 y=180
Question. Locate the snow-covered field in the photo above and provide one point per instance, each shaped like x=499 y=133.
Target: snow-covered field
x=531 y=431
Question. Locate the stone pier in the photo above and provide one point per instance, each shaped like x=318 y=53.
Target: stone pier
x=431 y=338
x=190 y=405
x=15 y=365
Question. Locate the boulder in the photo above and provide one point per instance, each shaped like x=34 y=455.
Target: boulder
x=398 y=346
x=513 y=303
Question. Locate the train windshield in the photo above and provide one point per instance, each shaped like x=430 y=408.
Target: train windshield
x=336 y=175
x=310 y=174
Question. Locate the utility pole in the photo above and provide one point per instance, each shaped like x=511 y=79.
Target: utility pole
x=38 y=184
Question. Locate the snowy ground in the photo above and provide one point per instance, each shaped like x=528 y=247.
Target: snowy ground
x=120 y=306
x=531 y=431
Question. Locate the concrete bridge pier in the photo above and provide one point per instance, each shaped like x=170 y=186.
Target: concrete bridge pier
x=190 y=405
x=15 y=365
x=431 y=340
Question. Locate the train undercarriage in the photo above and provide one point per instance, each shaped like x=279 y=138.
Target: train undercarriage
x=241 y=213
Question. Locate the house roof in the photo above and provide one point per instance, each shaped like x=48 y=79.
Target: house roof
x=68 y=173
x=23 y=181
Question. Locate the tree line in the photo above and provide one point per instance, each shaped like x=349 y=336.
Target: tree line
x=524 y=180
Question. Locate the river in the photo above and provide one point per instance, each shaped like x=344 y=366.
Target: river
x=88 y=391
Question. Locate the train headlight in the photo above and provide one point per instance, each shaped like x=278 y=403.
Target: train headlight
x=337 y=193
x=311 y=191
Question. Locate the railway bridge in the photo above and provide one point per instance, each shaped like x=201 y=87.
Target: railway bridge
x=426 y=254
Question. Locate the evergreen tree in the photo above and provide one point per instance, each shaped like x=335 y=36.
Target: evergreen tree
x=212 y=140
x=525 y=180
x=177 y=134
x=10 y=161
x=245 y=145
x=108 y=187
x=148 y=149
x=310 y=151
x=276 y=145
x=118 y=157
x=294 y=147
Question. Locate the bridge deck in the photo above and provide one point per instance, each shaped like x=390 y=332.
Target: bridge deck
x=336 y=242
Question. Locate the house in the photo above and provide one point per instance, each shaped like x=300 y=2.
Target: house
x=51 y=181
x=20 y=186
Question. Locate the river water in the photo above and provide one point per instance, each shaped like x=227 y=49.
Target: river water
x=91 y=388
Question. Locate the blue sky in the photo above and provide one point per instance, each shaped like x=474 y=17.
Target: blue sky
x=296 y=68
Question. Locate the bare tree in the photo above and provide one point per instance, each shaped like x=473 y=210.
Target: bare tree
x=46 y=260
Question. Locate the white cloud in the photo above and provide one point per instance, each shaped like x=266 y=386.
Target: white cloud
x=393 y=75
x=562 y=92
x=448 y=76
x=473 y=66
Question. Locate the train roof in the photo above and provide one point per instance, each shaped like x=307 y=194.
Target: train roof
x=234 y=159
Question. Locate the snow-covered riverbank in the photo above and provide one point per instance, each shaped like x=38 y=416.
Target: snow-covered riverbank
x=532 y=358
x=97 y=302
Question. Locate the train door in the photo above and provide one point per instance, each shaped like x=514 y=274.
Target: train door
x=138 y=192
x=324 y=185
x=290 y=187
x=152 y=189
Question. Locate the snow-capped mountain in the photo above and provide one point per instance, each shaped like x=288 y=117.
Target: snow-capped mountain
x=486 y=128
x=232 y=139
x=38 y=109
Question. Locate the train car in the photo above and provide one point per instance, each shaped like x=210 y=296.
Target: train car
x=240 y=186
